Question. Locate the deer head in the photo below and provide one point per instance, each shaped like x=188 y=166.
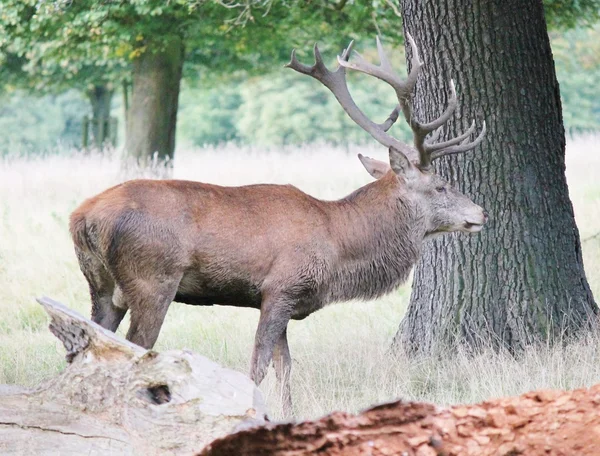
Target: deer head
x=442 y=207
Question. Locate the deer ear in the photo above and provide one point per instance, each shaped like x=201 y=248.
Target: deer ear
x=401 y=164
x=375 y=168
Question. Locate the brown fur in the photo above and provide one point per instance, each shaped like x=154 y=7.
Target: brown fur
x=145 y=243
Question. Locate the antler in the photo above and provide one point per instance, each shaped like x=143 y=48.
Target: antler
x=335 y=81
x=426 y=151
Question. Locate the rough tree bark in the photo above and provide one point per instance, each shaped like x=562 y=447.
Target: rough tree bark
x=521 y=279
x=118 y=398
x=100 y=96
x=153 y=112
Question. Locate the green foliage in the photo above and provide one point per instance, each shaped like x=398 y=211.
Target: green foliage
x=37 y=124
x=208 y=116
x=577 y=60
x=234 y=53
x=285 y=107
x=57 y=45
x=563 y=14
x=292 y=109
x=51 y=45
x=67 y=43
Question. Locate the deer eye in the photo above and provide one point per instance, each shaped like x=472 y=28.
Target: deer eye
x=440 y=189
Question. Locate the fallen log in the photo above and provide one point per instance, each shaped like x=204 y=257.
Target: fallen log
x=117 y=398
x=549 y=423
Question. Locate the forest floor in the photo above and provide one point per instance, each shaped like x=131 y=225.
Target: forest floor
x=340 y=359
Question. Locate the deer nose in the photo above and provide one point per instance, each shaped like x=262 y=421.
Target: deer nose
x=485 y=216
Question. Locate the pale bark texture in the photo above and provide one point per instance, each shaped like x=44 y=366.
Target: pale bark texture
x=521 y=279
x=120 y=399
x=152 y=116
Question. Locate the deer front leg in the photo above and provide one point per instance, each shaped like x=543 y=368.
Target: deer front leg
x=274 y=317
x=283 y=366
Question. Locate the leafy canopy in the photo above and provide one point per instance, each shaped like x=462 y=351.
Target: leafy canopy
x=564 y=14
x=70 y=42
x=58 y=44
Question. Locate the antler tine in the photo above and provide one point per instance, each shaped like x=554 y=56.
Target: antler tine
x=296 y=65
x=385 y=63
x=386 y=73
x=318 y=67
x=415 y=62
x=383 y=71
x=427 y=150
x=441 y=120
x=404 y=90
x=457 y=149
x=421 y=130
x=392 y=118
x=346 y=53
x=335 y=81
x=318 y=57
x=430 y=146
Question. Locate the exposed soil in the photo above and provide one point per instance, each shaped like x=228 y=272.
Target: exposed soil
x=537 y=423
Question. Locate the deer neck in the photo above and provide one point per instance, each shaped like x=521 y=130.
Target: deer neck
x=379 y=235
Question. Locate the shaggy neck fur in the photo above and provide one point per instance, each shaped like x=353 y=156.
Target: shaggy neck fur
x=379 y=240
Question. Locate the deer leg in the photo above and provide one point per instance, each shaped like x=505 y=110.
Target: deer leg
x=274 y=317
x=283 y=366
x=112 y=315
x=148 y=303
x=102 y=287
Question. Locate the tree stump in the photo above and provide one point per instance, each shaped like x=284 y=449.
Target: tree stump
x=118 y=398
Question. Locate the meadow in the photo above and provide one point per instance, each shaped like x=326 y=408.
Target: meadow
x=339 y=354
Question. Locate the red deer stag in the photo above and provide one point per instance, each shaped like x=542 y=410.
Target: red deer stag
x=146 y=243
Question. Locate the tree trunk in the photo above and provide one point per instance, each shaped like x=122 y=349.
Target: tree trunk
x=100 y=97
x=152 y=115
x=117 y=398
x=521 y=279
x=126 y=86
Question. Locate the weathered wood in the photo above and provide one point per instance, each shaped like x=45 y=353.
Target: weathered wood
x=118 y=398
x=543 y=423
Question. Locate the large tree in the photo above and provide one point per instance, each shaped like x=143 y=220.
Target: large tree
x=154 y=38
x=521 y=279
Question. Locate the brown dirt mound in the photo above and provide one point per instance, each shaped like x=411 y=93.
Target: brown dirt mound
x=537 y=423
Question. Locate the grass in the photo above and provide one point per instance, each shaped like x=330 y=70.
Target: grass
x=339 y=353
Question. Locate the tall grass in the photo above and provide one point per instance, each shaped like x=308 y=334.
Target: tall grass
x=339 y=353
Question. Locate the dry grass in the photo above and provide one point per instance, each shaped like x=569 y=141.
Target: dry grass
x=339 y=353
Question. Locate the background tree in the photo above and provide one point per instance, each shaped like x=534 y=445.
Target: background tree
x=40 y=124
x=155 y=38
x=34 y=58
x=522 y=278
x=220 y=101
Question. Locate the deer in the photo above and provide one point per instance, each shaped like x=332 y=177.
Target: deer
x=145 y=243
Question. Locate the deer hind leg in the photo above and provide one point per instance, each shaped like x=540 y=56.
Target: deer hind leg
x=102 y=287
x=148 y=302
x=283 y=366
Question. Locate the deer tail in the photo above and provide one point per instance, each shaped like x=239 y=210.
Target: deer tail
x=78 y=229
